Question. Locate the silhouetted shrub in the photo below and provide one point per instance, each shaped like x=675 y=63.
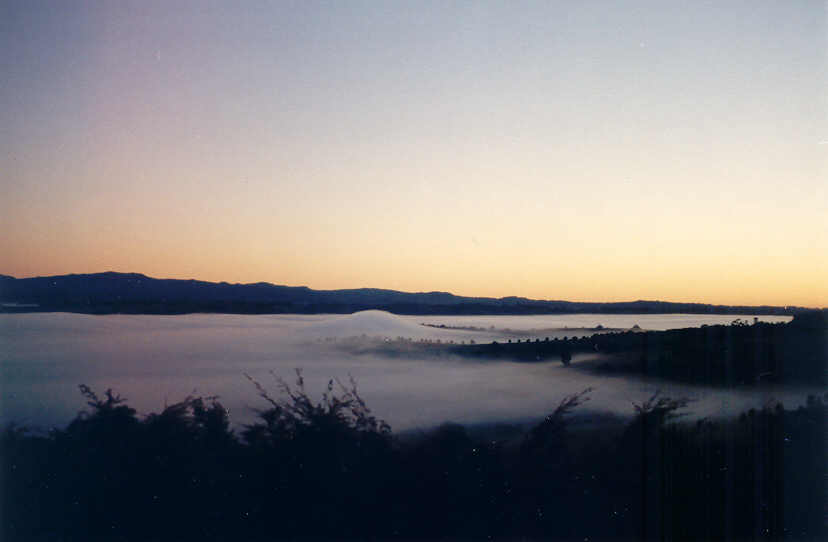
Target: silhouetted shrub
x=547 y=437
x=328 y=458
x=329 y=469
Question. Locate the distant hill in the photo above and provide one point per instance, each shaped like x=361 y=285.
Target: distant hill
x=134 y=293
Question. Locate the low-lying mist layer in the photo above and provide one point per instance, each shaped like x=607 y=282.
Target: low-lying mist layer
x=154 y=360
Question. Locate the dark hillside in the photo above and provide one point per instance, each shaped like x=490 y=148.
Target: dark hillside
x=106 y=293
x=736 y=354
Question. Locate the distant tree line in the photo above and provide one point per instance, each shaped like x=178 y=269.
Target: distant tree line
x=738 y=354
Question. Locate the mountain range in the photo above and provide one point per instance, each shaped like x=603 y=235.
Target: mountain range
x=134 y=293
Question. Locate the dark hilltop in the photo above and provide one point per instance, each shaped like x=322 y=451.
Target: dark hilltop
x=134 y=293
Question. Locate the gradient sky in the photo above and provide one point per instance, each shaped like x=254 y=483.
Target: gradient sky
x=557 y=150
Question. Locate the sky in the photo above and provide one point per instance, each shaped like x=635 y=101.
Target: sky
x=599 y=151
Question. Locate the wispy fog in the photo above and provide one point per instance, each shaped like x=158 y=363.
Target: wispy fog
x=153 y=360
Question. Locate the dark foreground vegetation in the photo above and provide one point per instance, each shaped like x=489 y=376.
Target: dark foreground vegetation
x=329 y=469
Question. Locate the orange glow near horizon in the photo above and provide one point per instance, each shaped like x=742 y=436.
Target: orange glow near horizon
x=559 y=152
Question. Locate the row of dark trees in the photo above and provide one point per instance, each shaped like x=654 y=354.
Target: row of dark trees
x=731 y=355
x=322 y=469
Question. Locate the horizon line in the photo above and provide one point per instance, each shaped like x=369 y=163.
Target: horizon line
x=788 y=307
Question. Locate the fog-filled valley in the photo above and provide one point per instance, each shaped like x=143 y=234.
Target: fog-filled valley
x=158 y=360
x=378 y=426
